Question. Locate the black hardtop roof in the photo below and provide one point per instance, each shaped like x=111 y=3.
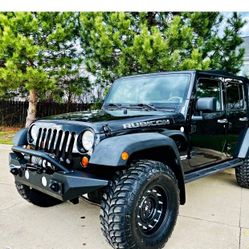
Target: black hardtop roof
x=220 y=73
x=216 y=73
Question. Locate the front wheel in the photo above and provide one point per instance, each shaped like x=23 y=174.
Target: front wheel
x=142 y=207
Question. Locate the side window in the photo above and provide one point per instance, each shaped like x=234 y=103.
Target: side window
x=234 y=96
x=210 y=88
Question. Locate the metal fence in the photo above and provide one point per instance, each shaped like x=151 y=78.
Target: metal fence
x=13 y=113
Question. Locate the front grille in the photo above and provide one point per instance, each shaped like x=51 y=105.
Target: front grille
x=57 y=142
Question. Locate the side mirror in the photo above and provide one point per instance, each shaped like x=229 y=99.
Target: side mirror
x=206 y=104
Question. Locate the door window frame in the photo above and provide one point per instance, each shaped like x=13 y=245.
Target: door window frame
x=221 y=86
x=237 y=82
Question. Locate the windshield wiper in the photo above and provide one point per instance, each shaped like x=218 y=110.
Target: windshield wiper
x=144 y=106
x=119 y=106
x=131 y=106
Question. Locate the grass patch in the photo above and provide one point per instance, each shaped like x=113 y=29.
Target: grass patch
x=7 y=134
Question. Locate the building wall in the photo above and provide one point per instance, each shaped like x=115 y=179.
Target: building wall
x=245 y=67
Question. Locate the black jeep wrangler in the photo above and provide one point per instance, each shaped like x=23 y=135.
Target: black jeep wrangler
x=155 y=133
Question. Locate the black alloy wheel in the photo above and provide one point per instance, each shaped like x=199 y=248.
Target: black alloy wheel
x=151 y=210
x=140 y=208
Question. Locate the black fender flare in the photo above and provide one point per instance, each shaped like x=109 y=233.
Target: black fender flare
x=174 y=133
x=21 y=137
x=108 y=152
x=177 y=134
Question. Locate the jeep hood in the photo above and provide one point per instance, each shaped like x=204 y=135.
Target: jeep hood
x=116 y=120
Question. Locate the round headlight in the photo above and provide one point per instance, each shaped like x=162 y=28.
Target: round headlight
x=88 y=140
x=34 y=132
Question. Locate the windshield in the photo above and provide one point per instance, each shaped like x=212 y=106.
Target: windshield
x=165 y=91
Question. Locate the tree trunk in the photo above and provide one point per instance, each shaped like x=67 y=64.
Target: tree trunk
x=31 y=115
x=69 y=101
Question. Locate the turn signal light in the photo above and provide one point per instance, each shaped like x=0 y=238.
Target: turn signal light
x=125 y=155
x=84 y=161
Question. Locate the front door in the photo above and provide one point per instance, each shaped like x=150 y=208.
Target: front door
x=208 y=129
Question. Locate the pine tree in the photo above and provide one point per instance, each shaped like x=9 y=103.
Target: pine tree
x=38 y=53
x=118 y=44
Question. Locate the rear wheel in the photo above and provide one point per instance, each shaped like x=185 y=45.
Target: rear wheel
x=36 y=197
x=142 y=207
x=242 y=174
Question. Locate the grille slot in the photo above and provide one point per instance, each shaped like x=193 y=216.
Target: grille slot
x=56 y=142
x=47 y=139
x=43 y=136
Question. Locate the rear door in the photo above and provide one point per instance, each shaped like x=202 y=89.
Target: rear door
x=236 y=112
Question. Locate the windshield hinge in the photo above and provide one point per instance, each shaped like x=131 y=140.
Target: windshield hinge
x=107 y=130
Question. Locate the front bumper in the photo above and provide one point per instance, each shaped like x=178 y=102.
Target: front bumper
x=63 y=184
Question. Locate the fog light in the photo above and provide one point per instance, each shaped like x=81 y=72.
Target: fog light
x=44 y=181
x=26 y=174
x=84 y=161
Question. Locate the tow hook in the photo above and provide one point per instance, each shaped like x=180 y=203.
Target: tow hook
x=39 y=169
x=15 y=170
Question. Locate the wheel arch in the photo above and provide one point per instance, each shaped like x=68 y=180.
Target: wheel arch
x=153 y=146
x=179 y=137
x=166 y=155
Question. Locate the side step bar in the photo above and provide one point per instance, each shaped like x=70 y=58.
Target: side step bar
x=196 y=174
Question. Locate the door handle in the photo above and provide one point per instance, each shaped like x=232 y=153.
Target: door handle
x=222 y=121
x=244 y=119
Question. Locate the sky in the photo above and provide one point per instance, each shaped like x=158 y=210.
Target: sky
x=245 y=16
x=245 y=29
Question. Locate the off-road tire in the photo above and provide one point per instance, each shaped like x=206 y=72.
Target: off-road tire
x=242 y=174
x=125 y=199
x=36 y=197
x=105 y=204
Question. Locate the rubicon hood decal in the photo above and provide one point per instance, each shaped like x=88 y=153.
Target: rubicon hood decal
x=146 y=123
